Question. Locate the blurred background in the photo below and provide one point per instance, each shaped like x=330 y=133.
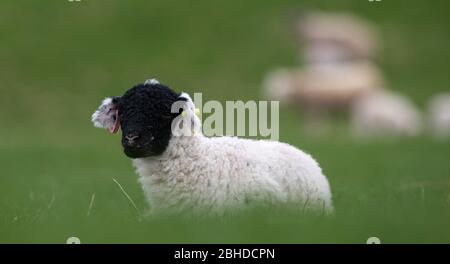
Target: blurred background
x=382 y=138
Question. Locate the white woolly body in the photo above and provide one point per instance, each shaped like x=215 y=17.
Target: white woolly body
x=197 y=174
x=200 y=174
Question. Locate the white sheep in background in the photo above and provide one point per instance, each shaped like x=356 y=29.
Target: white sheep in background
x=385 y=113
x=439 y=115
x=330 y=37
x=190 y=173
x=323 y=85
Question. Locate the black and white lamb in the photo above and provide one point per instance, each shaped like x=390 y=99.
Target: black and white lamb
x=191 y=173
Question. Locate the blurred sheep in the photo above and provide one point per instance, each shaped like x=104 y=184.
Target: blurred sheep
x=336 y=37
x=339 y=73
x=385 y=113
x=325 y=86
x=439 y=115
x=337 y=49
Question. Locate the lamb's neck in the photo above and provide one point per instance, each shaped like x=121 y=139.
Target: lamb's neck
x=184 y=146
x=179 y=150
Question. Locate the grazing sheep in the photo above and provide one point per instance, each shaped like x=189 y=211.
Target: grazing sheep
x=326 y=86
x=182 y=171
x=338 y=51
x=439 y=115
x=385 y=113
x=336 y=37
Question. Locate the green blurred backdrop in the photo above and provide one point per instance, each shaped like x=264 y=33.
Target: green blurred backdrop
x=58 y=59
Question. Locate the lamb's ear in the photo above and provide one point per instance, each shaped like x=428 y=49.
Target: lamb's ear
x=107 y=115
x=187 y=123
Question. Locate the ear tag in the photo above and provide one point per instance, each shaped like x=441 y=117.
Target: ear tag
x=197 y=112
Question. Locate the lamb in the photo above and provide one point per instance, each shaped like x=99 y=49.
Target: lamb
x=182 y=171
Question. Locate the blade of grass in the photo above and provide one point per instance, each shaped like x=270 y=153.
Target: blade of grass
x=90 y=205
x=129 y=199
x=44 y=210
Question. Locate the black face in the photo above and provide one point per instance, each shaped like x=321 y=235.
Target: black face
x=146 y=118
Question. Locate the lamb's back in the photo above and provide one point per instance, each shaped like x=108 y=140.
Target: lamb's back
x=278 y=169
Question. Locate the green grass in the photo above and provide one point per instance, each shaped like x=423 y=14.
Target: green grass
x=59 y=59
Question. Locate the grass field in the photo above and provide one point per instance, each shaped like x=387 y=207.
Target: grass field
x=59 y=59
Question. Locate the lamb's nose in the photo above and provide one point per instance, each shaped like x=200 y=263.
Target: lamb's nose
x=131 y=138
